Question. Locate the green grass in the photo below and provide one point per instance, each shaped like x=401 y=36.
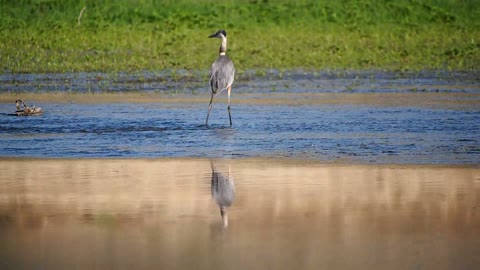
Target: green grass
x=129 y=35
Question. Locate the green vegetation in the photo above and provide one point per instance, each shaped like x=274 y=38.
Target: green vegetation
x=131 y=35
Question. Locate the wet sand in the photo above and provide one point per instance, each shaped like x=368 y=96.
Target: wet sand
x=454 y=100
x=287 y=214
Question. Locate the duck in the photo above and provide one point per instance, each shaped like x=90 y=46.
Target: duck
x=23 y=109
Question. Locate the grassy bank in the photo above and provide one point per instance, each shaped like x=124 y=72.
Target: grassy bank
x=128 y=35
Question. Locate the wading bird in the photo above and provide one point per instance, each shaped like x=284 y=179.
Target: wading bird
x=223 y=191
x=222 y=73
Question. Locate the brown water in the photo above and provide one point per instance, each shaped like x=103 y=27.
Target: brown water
x=159 y=214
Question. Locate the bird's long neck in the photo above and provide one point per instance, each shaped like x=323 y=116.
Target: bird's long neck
x=223 y=47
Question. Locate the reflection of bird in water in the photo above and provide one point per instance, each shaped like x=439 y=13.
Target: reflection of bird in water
x=223 y=192
x=222 y=73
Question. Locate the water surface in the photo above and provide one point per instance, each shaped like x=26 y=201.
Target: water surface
x=327 y=170
x=325 y=132
x=430 y=117
x=160 y=214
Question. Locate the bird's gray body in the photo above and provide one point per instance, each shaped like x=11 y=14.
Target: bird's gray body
x=222 y=74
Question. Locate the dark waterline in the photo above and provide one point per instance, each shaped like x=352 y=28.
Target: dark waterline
x=250 y=81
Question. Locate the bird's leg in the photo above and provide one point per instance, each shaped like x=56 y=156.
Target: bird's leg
x=229 y=89
x=223 y=213
x=209 y=108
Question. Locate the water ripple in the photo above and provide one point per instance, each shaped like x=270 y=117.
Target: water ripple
x=328 y=133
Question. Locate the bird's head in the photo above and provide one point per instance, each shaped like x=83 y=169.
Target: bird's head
x=219 y=34
x=18 y=103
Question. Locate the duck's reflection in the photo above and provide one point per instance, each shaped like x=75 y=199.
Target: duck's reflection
x=223 y=191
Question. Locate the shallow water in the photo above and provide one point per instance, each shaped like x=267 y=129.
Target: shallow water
x=325 y=132
x=361 y=117
x=160 y=214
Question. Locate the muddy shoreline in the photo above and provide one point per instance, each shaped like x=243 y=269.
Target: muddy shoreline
x=431 y=100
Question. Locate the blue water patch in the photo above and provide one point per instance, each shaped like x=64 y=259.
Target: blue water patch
x=330 y=133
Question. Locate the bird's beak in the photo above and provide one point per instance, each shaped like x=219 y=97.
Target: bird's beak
x=213 y=35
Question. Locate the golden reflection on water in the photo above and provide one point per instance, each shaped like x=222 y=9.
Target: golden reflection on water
x=143 y=214
x=222 y=186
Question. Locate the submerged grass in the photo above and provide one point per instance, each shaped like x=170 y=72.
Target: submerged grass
x=130 y=35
